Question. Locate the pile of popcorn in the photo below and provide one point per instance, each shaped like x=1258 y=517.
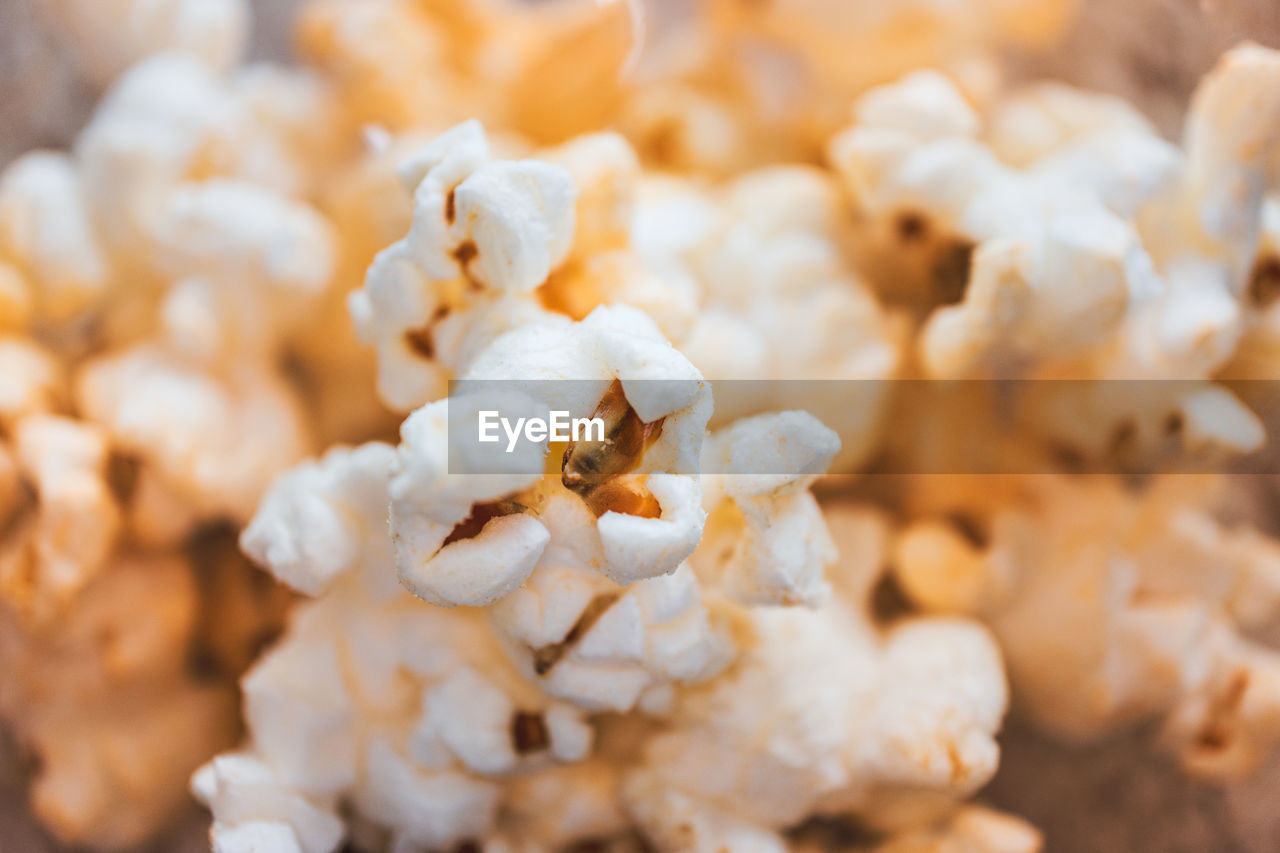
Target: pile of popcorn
x=232 y=314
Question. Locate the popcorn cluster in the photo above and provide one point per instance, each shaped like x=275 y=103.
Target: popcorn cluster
x=470 y=630
x=693 y=634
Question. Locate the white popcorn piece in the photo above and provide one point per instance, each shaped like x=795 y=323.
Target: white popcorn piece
x=504 y=224
x=437 y=556
x=45 y=232
x=109 y=37
x=253 y=808
x=256 y=837
x=821 y=710
x=773 y=544
x=976 y=828
x=471 y=717
x=325 y=518
x=426 y=809
x=1039 y=119
x=1010 y=246
x=590 y=643
x=158 y=122
x=303 y=721
x=1230 y=136
x=206 y=434
x=641 y=386
x=248 y=262
x=783 y=303
x=1150 y=590
x=291 y=134
x=605 y=266
x=484 y=234
x=74 y=520
x=31 y=379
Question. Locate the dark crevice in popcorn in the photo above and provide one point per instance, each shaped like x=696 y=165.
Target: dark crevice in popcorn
x=888 y=601
x=1124 y=438
x=422 y=341
x=481 y=514
x=529 y=732
x=232 y=592
x=464 y=255
x=1216 y=734
x=970 y=527
x=23 y=507
x=123 y=470
x=949 y=276
x=1264 y=281
x=836 y=832
x=911 y=227
x=597 y=470
x=1068 y=459
x=626 y=495
x=451 y=207
x=545 y=658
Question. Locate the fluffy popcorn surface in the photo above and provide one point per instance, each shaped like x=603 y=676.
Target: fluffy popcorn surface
x=31 y=379
x=776 y=545
x=971 y=828
x=1153 y=590
x=218 y=439
x=782 y=302
x=1011 y=247
x=109 y=37
x=45 y=233
x=248 y=261
x=156 y=125
x=61 y=534
x=323 y=518
x=1090 y=195
x=484 y=233
x=821 y=710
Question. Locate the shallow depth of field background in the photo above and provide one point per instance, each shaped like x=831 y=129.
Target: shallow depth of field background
x=1114 y=797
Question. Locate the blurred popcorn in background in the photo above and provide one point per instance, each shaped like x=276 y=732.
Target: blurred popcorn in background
x=246 y=249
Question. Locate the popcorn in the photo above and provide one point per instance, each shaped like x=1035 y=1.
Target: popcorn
x=744 y=760
x=966 y=223
x=108 y=777
x=244 y=259
x=109 y=37
x=145 y=305
x=779 y=288
x=46 y=236
x=675 y=635
x=497 y=227
x=1150 y=588
x=200 y=433
x=72 y=520
x=776 y=541
x=340 y=498
x=970 y=828
x=573 y=591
